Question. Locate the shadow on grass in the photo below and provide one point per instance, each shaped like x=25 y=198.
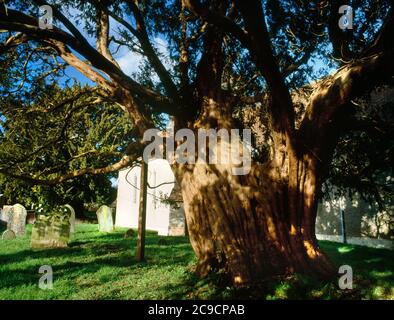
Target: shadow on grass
x=91 y=252
x=88 y=253
x=373 y=271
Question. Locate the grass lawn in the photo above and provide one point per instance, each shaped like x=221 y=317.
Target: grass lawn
x=102 y=266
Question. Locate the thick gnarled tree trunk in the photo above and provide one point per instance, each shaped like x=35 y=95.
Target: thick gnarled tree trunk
x=263 y=224
x=255 y=226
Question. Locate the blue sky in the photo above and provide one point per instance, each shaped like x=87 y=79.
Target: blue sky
x=128 y=60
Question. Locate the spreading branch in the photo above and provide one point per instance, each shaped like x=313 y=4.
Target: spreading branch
x=17 y=21
x=340 y=39
x=332 y=96
x=123 y=163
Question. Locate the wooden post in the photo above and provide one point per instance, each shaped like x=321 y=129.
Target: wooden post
x=140 y=252
x=343 y=223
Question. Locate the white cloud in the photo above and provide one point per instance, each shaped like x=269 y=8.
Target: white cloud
x=129 y=62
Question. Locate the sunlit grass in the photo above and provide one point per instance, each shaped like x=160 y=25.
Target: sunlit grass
x=345 y=249
x=102 y=266
x=381 y=274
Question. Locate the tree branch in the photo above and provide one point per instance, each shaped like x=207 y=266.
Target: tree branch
x=150 y=53
x=384 y=38
x=79 y=65
x=102 y=34
x=67 y=23
x=13 y=42
x=143 y=38
x=124 y=162
x=340 y=39
x=214 y=18
x=296 y=64
x=332 y=96
x=96 y=153
x=282 y=110
x=18 y=21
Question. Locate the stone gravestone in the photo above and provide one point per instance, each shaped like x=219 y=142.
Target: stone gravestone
x=129 y=234
x=72 y=218
x=17 y=222
x=51 y=231
x=5 y=216
x=8 y=235
x=104 y=217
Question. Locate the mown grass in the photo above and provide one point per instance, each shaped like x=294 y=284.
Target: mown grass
x=102 y=266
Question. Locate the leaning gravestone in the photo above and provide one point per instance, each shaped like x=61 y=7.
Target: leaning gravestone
x=8 y=235
x=17 y=222
x=104 y=217
x=72 y=218
x=51 y=231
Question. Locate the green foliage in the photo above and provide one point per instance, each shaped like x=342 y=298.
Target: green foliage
x=61 y=131
x=364 y=158
x=57 y=210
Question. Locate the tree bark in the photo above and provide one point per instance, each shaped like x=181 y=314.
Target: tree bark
x=258 y=225
x=253 y=226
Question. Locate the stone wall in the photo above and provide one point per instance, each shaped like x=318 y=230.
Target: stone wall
x=361 y=219
x=361 y=241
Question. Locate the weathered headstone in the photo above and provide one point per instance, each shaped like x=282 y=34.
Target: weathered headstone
x=104 y=217
x=6 y=214
x=53 y=230
x=8 y=235
x=72 y=218
x=129 y=234
x=17 y=222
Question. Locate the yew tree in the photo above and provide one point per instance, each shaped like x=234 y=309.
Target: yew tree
x=50 y=131
x=221 y=57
